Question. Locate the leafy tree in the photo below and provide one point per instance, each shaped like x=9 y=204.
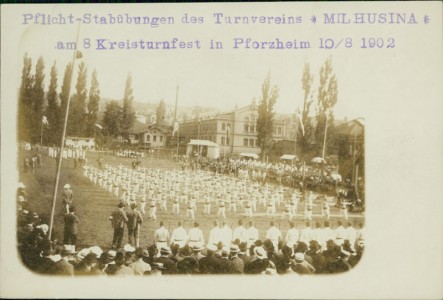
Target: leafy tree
x=38 y=95
x=327 y=98
x=53 y=112
x=265 y=120
x=112 y=118
x=161 y=112
x=66 y=88
x=77 y=111
x=305 y=129
x=25 y=101
x=128 y=115
x=93 y=105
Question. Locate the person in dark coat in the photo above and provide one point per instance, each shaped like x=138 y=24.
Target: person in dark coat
x=258 y=265
x=354 y=259
x=119 y=267
x=118 y=220
x=318 y=261
x=226 y=265
x=301 y=266
x=71 y=227
x=169 y=265
x=210 y=264
x=135 y=220
x=44 y=263
x=236 y=261
x=87 y=265
x=339 y=264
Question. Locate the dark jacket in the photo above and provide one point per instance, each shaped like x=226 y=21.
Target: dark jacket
x=71 y=222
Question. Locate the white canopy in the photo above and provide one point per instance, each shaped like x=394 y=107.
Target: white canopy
x=202 y=143
x=252 y=155
x=289 y=157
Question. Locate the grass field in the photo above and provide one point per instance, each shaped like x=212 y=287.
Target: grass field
x=94 y=205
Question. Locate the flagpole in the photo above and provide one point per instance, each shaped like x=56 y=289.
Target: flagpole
x=59 y=162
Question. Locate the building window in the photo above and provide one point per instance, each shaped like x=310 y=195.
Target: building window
x=227 y=141
x=251 y=143
x=223 y=126
x=246 y=127
x=223 y=140
x=148 y=137
x=245 y=142
x=252 y=128
x=161 y=139
x=154 y=138
x=279 y=130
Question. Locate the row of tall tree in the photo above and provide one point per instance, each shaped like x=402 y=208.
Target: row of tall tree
x=41 y=121
x=316 y=132
x=119 y=118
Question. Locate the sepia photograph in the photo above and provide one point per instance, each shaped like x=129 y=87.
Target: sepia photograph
x=177 y=142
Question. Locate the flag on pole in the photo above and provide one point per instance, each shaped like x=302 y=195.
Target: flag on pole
x=175 y=129
x=300 y=118
x=45 y=120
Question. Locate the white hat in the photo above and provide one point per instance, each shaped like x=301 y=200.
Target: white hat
x=128 y=248
x=234 y=248
x=211 y=247
x=260 y=252
x=96 y=250
x=82 y=253
x=43 y=227
x=299 y=256
x=67 y=186
x=225 y=250
x=270 y=271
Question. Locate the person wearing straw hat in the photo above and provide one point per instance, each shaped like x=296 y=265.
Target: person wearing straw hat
x=237 y=262
x=67 y=197
x=196 y=251
x=63 y=266
x=209 y=264
x=258 y=265
x=301 y=266
x=169 y=265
